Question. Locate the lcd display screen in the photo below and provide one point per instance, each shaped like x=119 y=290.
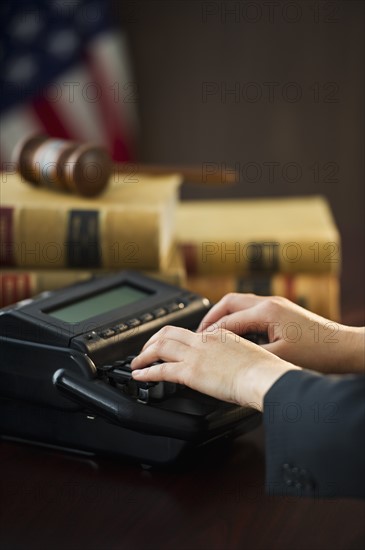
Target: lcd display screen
x=98 y=304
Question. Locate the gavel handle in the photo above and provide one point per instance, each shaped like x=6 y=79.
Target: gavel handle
x=206 y=174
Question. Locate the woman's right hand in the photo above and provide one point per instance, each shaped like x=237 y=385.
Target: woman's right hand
x=294 y=333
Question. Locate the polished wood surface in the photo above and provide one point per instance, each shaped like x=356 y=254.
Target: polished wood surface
x=55 y=500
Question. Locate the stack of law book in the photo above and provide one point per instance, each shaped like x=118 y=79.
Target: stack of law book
x=288 y=246
x=50 y=239
x=280 y=246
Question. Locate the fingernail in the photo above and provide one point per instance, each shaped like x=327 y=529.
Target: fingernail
x=137 y=373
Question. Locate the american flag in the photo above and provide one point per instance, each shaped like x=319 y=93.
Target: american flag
x=65 y=73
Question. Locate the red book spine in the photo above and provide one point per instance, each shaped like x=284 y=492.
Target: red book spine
x=14 y=287
x=6 y=236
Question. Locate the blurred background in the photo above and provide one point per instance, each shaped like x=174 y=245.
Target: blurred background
x=273 y=89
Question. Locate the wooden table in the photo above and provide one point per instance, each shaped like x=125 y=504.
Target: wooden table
x=54 y=500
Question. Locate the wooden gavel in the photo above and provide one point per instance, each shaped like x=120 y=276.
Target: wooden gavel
x=85 y=168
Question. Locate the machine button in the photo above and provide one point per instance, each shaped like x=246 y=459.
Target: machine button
x=146 y=317
x=102 y=369
x=107 y=333
x=133 y=323
x=159 y=312
x=175 y=306
x=121 y=327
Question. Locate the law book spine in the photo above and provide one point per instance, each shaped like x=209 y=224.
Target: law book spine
x=242 y=258
x=248 y=236
x=110 y=238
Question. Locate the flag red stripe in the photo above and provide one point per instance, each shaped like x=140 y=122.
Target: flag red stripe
x=50 y=119
x=111 y=114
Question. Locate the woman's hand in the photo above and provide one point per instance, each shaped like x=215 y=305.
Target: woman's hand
x=294 y=334
x=216 y=362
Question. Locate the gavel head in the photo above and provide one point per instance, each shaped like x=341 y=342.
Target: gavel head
x=80 y=168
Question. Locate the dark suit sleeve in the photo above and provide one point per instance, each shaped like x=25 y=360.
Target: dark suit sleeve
x=315 y=435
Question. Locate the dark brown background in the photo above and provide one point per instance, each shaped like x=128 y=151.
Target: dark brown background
x=177 y=46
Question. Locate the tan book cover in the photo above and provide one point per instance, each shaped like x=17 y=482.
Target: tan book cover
x=319 y=293
x=132 y=225
x=241 y=236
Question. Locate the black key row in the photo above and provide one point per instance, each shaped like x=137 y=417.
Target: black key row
x=120 y=373
x=144 y=318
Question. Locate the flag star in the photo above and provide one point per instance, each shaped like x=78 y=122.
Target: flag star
x=63 y=44
x=21 y=70
x=26 y=26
